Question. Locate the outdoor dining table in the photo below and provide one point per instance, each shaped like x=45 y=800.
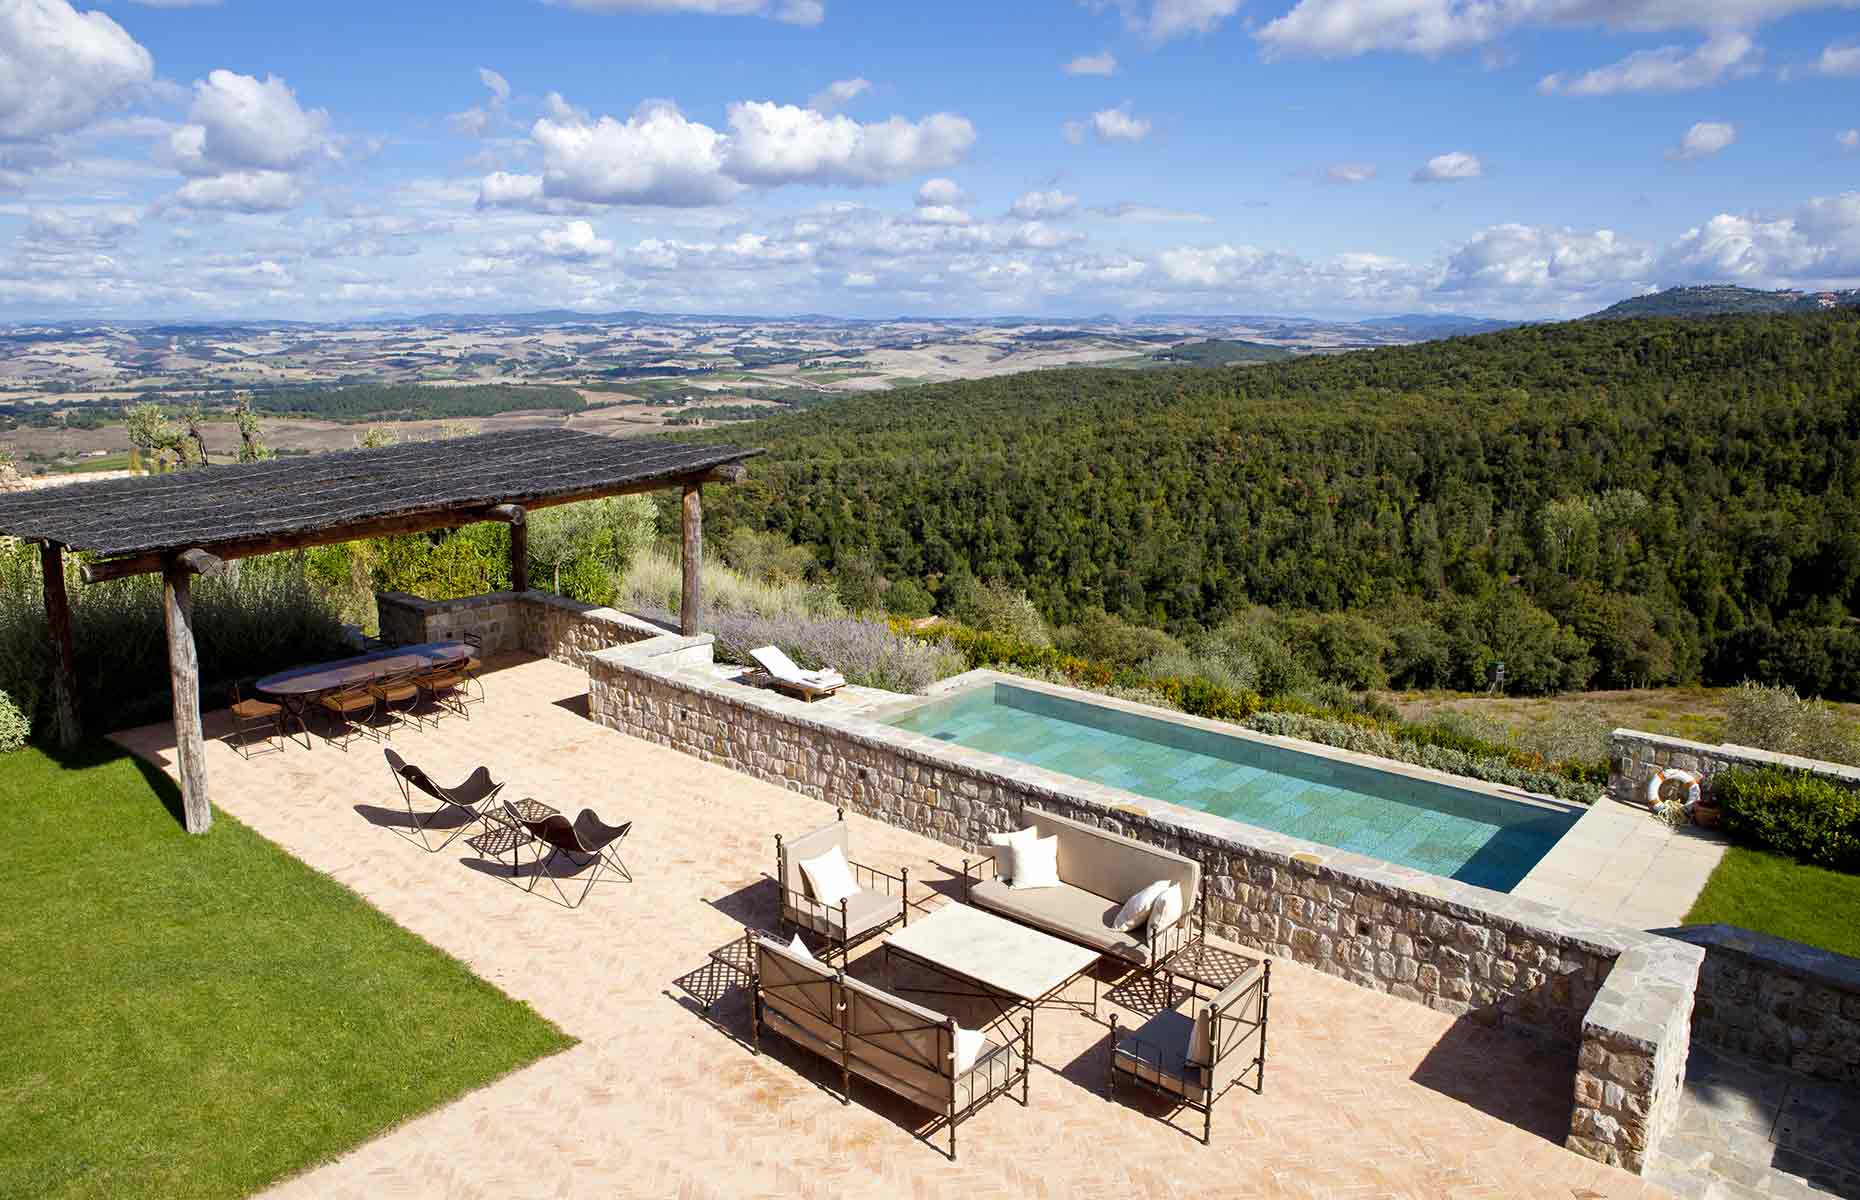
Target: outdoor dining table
x=299 y=685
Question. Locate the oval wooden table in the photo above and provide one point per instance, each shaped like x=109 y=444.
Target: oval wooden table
x=303 y=683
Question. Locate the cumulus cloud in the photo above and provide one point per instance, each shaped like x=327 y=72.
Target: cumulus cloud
x=793 y=12
x=241 y=191
x=1350 y=173
x=1336 y=28
x=1449 y=168
x=1848 y=139
x=1703 y=140
x=1049 y=205
x=477 y=120
x=1109 y=125
x=92 y=228
x=1149 y=214
x=1521 y=262
x=60 y=69
x=575 y=241
x=659 y=156
x=1161 y=20
x=1840 y=58
x=1104 y=63
x=838 y=94
x=238 y=122
x=940 y=191
x=772 y=144
x=1667 y=69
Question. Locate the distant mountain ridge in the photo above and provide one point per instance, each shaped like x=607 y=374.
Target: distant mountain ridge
x=1719 y=300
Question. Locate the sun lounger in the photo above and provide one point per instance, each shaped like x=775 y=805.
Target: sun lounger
x=791 y=678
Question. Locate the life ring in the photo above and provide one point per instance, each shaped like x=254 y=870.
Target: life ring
x=1661 y=778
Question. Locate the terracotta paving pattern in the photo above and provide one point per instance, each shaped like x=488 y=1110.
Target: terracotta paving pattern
x=1364 y=1096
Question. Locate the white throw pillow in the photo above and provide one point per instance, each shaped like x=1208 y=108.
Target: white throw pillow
x=799 y=949
x=1199 y=1052
x=1167 y=909
x=1136 y=910
x=1004 y=844
x=830 y=877
x=1036 y=864
x=968 y=1047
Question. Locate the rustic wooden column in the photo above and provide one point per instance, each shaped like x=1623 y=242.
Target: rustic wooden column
x=691 y=601
x=190 y=747
x=519 y=551
x=58 y=623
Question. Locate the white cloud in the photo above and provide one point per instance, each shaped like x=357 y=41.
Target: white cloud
x=942 y=214
x=1104 y=63
x=504 y=189
x=1704 y=139
x=1050 y=205
x=241 y=191
x=772 y=144
x=655 y=156
x=1350 y=173
x=94 y=228
x=1848 y=139
x=575 y=241
x=238 y=123
x=1109 y=125
x=479 y=119
x=1149 y=214
x=1521 y=262
x=60 y=69
x=1449 y=168
x=838 y=94
x=1839 y=59
x=1351 y=27
x=940 y=191
x=1161 y=20
x=1667 y=69
x=794 y=12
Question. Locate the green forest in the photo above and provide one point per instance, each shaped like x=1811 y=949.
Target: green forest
x=1596 y=504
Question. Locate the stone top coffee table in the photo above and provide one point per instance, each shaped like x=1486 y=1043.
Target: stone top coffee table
x=1008 y=965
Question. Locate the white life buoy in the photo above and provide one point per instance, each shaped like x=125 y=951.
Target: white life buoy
x=1659 y=780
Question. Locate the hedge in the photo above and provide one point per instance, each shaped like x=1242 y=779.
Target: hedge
x=1792 y=812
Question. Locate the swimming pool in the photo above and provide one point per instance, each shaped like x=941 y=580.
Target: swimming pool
x=1463 y=834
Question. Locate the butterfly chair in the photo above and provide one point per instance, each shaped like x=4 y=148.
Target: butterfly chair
x=585 y=840
x=471 y=802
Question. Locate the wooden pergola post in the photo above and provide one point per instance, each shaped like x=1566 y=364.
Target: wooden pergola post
x=691 y=600
x=65 y=717
x=519 y=548
x=190 y=746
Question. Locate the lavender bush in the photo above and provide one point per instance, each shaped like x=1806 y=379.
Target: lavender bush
x=867 y=653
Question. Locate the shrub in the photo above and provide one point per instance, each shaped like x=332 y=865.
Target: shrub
x=1100 y=635
x=866 y=652
x=766 y=555
x=14 y=726
x=579 y=550
x=655 y=583
x=1384 y=743
x=908 y=598
x=1775 y=718
x=1794 y=813
x=994 y=608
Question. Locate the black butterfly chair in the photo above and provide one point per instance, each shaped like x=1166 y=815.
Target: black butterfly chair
x=470 y=803
x=587 y=839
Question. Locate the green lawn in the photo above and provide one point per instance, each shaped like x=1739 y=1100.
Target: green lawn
x=1776 y=895
x=200 y=1016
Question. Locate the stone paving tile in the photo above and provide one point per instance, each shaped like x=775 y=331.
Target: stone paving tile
x=1365 y=1095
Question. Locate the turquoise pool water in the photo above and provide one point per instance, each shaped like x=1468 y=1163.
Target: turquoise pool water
x=1464 y=835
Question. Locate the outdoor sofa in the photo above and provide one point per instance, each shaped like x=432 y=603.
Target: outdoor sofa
x=1098 y=871
x=902 y=1047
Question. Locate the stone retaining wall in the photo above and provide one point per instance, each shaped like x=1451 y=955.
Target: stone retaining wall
x=1620 y=997
x=540 y=622
x=1778 y=1001
x=1635 y=756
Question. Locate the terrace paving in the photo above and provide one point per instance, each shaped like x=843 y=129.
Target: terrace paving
x=1365 y=1095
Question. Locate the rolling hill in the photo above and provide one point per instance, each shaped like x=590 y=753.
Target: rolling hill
x=1719 y=300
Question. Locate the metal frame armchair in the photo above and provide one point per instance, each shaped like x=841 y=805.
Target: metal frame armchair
x=1197 y=1060
x=341 y=706
x=403 y=689
x=475 y=798
x=853 y=920
x=251 y=715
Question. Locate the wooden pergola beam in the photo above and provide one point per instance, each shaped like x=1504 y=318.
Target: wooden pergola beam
x=107 y=569
x=69 y=725
x=519 y=522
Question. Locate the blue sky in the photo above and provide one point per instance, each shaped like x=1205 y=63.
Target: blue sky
x=1328 y=157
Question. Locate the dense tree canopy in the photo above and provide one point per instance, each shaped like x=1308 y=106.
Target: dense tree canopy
x=1602 y=502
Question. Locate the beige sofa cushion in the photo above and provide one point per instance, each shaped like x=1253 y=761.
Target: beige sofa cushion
x=1065 y=911
x=1111 y=865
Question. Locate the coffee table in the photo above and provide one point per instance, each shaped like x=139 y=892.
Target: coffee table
x=1011 y=966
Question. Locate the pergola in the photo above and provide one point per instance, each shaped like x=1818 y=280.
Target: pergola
x=191 y=522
